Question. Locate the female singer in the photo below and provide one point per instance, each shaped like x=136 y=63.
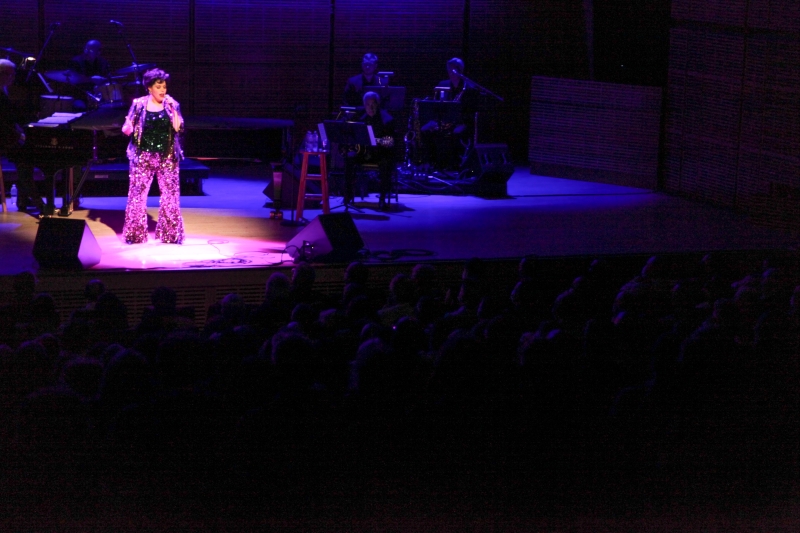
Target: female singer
x=154 y=149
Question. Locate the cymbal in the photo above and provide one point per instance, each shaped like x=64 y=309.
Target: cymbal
x=12 y=51
x=136 y=67
x=67 y=76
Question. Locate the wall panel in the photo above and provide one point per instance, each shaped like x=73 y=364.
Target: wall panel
x=733 y=116
x=597 y=131
x=780 y=15
x=509 y=42
x=724 y=12
x=262 y=59
x=21 y=31
x=412 y=38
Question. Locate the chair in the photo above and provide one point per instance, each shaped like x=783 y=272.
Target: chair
x=322 y=177
x=371 y=173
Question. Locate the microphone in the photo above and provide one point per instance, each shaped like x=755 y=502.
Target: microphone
x=115 y=23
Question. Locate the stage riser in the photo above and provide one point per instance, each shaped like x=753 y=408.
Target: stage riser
x=111 y=179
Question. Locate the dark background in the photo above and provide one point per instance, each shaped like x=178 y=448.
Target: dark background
x=729 y=69
x=290 y=59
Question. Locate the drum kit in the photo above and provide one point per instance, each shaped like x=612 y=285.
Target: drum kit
x=119 y=89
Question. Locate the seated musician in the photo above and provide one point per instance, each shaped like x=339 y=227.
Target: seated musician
x=382 y=154
x=12 y=139
x=91 y=62
x=354 y=90
x=448 y=142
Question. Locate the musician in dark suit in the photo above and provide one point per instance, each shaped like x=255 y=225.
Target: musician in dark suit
x=382 y=154
x=354 y=90
x=448 y=142
x=12 y=139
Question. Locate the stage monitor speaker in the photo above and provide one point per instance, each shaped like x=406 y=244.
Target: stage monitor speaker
x=492 y=166
x=330 y=238
x=62 y=243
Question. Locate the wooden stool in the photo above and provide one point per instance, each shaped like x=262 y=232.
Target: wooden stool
x=322 y=177
x=3 y=207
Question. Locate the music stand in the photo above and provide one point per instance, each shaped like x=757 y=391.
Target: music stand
x=348 y=133
x=441 y=112
x=391 y=97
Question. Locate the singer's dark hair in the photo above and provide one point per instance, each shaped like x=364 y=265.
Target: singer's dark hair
x=154 y=75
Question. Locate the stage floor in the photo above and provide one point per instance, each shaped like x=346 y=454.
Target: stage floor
x=229 y=227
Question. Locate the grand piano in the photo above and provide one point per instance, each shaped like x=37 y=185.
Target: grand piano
x=63 y=143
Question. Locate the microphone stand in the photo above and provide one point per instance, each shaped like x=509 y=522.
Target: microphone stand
x=294 y=144
x=483 y=90
x=39 y=55
x=480 y=87
x=137 y=74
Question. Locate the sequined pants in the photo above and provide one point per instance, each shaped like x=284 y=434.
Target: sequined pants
x=170 y=223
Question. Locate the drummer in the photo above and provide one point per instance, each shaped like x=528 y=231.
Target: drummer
x=91 y=63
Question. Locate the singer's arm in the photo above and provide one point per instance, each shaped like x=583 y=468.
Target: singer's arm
x=175 y=112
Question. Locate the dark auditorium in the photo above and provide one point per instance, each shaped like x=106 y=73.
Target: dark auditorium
x=402 y=266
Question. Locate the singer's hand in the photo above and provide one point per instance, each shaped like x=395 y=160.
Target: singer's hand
x=172 y=106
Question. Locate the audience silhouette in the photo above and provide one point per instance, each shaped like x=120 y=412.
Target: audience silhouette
x=689 y=375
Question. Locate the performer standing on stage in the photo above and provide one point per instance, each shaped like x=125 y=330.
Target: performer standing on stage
x=156 y=125
x=383 y=128
x=354 y=90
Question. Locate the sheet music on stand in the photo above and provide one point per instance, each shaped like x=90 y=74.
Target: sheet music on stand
x=439 y=111
x=348 y=133
x=392 y=98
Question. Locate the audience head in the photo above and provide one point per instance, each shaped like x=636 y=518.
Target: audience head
x=278 y=286
x=303 y=276
x=164 y=299
x=356 y=272
x=112 y=311
x=469 y=295
x=402 y=289
x=424 y=275
x=234 y=308
x=294 y=359
x=93 y=290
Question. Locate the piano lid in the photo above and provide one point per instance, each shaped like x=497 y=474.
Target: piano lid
x=103 y=119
